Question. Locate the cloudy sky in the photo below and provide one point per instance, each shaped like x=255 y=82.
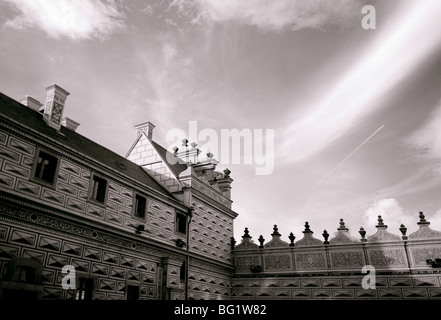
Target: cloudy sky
x=356 y=113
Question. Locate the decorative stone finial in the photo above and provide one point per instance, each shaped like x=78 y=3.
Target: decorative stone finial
x=246 y=233
x=184 y=142
x=326 y=236
x=275 y=231
x=175 y=150
x=362 y=232
x=291 y=238
x=380 y=223
x=227 y=172
x=261 y=241
x=209 y=155
x=342 y=226
x=194 y=145
x=423 y=220
x=307 y=230
x=403 y=230
x=232 y=243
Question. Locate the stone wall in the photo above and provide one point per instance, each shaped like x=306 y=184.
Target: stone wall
x=71 y=189
x=211 y=231
x=111 y=261
x=50 y=227
x=320 y=269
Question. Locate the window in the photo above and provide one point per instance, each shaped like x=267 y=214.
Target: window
x=45 y=167
x=182 y=274
x=22 y=280
x=24 y=270
x=25 y=274
x=181 y=223
x=99 y=188
x=140 y=206
x=132 y=293
x=84 y=289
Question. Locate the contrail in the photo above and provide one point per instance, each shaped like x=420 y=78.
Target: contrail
x=338 y=165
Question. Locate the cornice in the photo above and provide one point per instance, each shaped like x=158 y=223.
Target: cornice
x=202 y=197
x=18 y=211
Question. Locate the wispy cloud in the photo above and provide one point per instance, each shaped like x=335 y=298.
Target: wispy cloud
x=425 y=142
x=361 y=89
x=418 y=181
x=273 y=15
x=77 y=20
x=168 y=79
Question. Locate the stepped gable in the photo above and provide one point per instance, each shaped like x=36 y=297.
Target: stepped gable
x=343 y=236
x=308 y=239
x=382 y=235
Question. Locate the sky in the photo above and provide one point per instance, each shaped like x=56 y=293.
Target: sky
x=355 y=112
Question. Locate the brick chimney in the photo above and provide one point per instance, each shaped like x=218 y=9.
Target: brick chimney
x=54 y=106
x=30 y=102
x=146 y=127
x=224 y=183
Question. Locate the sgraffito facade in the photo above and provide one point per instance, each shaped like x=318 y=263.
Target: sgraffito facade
x=405 y=266
x=158 y=224
x=132 y=227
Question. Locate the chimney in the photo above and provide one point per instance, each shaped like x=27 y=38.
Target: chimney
x=224 y=183
x=146 y=127
x=70 y=124
x=30 y=102
x=54 y=107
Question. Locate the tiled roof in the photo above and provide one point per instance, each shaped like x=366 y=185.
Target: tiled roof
x=32 y=119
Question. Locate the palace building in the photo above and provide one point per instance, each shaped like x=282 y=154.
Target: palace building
x=159 y=225
x=133 y=227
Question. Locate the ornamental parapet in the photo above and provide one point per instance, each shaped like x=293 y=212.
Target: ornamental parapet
x=343 y=253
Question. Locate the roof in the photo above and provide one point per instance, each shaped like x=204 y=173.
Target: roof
x=32 y=119
x=177 y=167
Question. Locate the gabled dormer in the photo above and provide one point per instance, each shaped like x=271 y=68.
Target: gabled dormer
x=153 y=159
x=181 y=170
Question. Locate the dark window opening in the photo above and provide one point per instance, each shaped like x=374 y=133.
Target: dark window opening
x=132 y=293
x=99 y=189
x=140 y=206
x=182 y=274
x=46 y=167
x=181 y=223
x=84 y=289
x=25 y=274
